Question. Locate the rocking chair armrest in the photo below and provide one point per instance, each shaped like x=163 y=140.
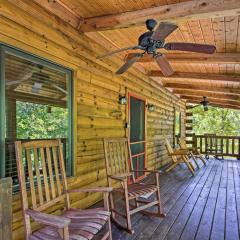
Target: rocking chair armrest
x=122 y=177
x=146 y=170
x=179 y=152
x=47 y=219
x=84 y=190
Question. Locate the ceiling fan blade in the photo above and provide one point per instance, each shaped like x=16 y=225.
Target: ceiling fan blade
x=204 y=102
x=59 y=88
x=196 y=105
x=119 y=50
x=164 y=64
x=190 y=47
x=129 y=63
x=163 y=30
x=23 y=79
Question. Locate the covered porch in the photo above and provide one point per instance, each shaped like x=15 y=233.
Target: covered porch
x=206 y=206
x=55 y=84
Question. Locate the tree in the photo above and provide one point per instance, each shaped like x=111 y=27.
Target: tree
x=36 y=121
x=221 y=121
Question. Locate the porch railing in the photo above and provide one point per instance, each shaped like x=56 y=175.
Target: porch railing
x=218 y=145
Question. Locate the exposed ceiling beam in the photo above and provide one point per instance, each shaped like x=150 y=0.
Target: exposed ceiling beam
x=182 y=76
x=209 y=88
x=213 y=102
x=211 y=99
x=217 y=105
x=190 y=10
x=201 y=93
x=23 y=96
x=61 y=10
x=193 y=57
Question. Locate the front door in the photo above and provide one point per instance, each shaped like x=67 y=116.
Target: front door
x=137 y=133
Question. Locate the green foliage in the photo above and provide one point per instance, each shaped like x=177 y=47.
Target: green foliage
x=221 y=121
x=36 y=121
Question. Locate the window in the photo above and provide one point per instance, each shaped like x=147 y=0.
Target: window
x=36 y=104
x=177 y=127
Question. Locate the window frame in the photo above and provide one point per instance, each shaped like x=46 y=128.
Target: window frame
x=4 y=48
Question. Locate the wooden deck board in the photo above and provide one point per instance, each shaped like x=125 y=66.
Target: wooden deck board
x=191 y=226
x=231 y=207
x=219 y=215
x=206 y=206
x=168 y=222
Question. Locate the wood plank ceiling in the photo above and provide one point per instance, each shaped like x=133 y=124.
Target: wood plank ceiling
x=212 y=22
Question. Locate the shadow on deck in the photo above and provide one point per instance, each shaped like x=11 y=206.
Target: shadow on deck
x=206 y=206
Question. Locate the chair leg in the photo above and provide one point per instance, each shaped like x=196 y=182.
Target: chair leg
x=112 y=205
x=106 y=197
x=160 y=207
x=109 y=229
x=203 y=160
x=172 y=166
x=136 y=202
x=194 y=159
x=128 y=215
x=189 y=165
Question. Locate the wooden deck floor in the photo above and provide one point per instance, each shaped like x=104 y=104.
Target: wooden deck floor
x=206 y=206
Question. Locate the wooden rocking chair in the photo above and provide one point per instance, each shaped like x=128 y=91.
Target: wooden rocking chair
x=41 y=168
x=192 y=153
x=119 y=167
x=178 y=156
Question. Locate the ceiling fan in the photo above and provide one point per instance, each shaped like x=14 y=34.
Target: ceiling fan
x=204 y=103
x=39 y=77
x=152 y=40
x=44 y=78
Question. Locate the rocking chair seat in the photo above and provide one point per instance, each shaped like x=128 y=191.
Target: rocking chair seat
x=138 y=189
x=85 y=224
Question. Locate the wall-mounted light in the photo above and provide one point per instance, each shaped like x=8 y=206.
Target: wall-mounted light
x=151 y=107
x=122 y=100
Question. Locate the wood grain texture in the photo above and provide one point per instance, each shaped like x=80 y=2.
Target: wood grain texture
x=197 y=208
x=97 y=111
x=5 y=208
x=175 y=12
x=205 y=22
x=72 y=222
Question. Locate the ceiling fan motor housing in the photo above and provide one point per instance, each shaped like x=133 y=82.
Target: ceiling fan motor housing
x=149 y=45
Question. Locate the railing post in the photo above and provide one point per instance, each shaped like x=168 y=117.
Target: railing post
x=238 y=148
x=6 y=209
x=193 y=141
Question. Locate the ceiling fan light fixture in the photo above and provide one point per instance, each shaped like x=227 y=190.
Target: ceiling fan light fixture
x=36 y=87
x=205 y=108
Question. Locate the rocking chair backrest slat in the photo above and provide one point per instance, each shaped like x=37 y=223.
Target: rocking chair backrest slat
x=170 y=150
x=183 y=143
x=41 y=168
x=117 y=156
x=38 y=175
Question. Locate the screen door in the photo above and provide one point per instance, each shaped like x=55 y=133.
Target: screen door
x=137 y=133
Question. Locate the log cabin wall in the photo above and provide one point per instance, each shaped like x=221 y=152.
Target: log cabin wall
x=98 y=114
